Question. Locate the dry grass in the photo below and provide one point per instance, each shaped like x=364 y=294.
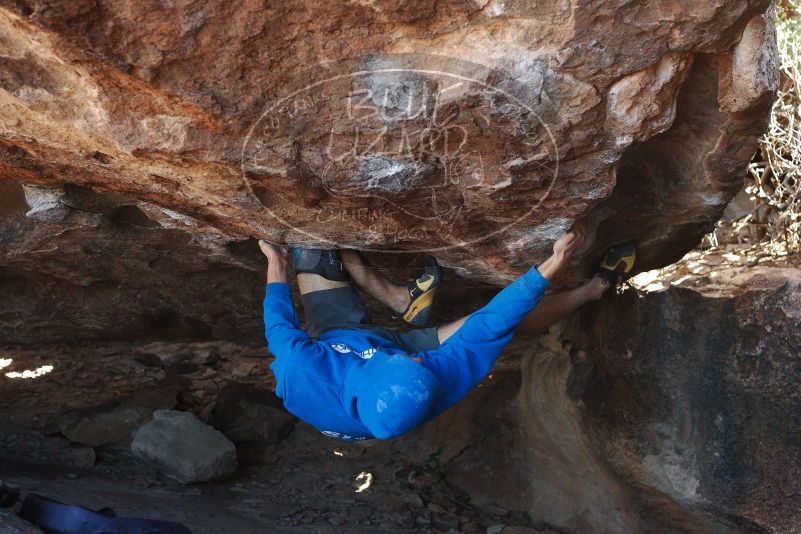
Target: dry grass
x=774 y=183
x=767 y=230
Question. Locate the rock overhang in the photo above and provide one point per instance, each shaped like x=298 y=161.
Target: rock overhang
x=481 y=132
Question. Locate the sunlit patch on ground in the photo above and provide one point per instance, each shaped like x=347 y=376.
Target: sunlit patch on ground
x=710 y=263
x=28 y=373
x=647 y=281
x=5 y=362
x=363 y=481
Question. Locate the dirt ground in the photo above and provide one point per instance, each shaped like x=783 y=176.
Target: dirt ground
x=305 y=482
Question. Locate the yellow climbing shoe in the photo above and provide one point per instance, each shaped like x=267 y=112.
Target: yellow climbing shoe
x=422 y=293
x=618 y=262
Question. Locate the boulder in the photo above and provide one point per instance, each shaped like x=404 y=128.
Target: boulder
x=122 y=143
x=84 y=457
x=58 y=450
x=668 y=411
x=476 y=130
x=245 y=413
x=135 y=175
x=184 y=448
x=116 y=420
x=695 y=395
x=178 y=358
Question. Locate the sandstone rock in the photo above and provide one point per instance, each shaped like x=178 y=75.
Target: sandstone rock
x=53 y=449
x=45 y=204
x=106 y=427
x=126 y=146
x=546 y=114
x=116 y=421
x=141 y=283
x=134 y=173
x=687 y=420
x=184 y=448
x=84 y=457
x=179 y=358
x=245 y=413
x=171 y=354
x=695 y=393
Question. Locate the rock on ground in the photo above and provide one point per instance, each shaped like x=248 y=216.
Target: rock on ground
x=184 y=447
x=10 y=523
x=115 y=421
x=245 y=414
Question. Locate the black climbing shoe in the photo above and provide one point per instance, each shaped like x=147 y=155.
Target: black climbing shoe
x=325 y=262
x=618 y=262
x=422 y=293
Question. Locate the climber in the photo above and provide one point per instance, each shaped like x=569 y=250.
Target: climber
x=354 y=380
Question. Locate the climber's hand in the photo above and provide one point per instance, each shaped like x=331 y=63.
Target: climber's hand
x=563 y=251
x=276 y=261
x=271 y=251
x=567 y=245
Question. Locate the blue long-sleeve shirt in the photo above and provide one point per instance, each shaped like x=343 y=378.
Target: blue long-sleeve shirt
x=310 y=374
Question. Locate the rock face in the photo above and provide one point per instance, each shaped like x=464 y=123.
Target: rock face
x=184 y=448
x=481 y=130
x=143 y=145
x=694 y=394
x=674 y=411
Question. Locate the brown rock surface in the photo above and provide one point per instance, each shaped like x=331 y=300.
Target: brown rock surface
x=695 y=394
x=144 y=144
x=680 y=416
x=479 y=130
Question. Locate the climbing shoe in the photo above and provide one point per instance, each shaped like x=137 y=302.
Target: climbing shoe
x=422 y=293
x=618 y=262
x=326 y=263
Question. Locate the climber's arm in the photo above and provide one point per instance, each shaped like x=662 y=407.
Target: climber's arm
x=281 y=323
x=276 y=262
x=466 y=357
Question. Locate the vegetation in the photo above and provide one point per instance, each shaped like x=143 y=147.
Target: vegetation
x=774 y=184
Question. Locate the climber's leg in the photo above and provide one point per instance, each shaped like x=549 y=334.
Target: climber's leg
x=309 y=282
x=411 y=302
x=372 y=282
x=554 y=308
x=318 y=270
x=330 y=301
